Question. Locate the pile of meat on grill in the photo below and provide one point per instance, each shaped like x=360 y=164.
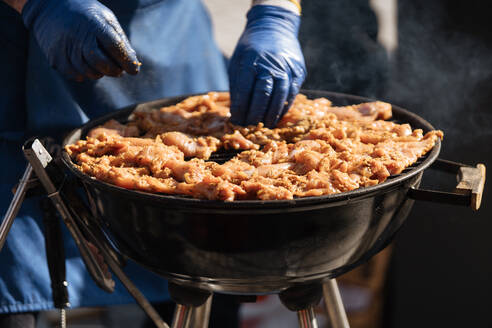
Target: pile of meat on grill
x=316 y=149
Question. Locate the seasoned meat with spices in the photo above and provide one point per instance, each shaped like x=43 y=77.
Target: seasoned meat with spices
x=316 y=149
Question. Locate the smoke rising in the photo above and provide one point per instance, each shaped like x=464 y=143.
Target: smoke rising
x=442 y=69
x=339 y=40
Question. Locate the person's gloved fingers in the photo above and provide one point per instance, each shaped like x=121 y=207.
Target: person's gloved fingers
x=98 y=60
x=279 y=97
x=82 y=67
x=75 y=74
x=233 y=69
x=115 y=43
x=241 y=91
x=261 y=98
x=293 y=91
x=88 y=71
x=62 y=62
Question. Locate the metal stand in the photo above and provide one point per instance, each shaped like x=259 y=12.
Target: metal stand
x=334 y=305
x=14 y=206
x=192 y=317
x=182 y=316
x=201 y=314
x=307 y=318
x=192 y=306
x=302 y=299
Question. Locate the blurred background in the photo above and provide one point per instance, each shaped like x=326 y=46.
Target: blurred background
x=435 y=59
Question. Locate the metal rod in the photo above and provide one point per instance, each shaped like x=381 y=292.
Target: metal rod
x=307 y=318
x=182 y=316
x=201 y=314
x=136 y=294
x=63 y=319
x=14 y=206
x=334 y=305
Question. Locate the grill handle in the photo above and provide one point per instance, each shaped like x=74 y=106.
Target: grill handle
x=468 y=191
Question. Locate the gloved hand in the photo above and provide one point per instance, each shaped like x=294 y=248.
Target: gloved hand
x=267 y=68
x=80 y=38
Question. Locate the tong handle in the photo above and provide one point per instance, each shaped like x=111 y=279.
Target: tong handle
x=51 y=177
x=55 y=254
x=468 y=192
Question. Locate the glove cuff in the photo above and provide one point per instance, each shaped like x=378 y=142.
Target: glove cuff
x=291 y=5
x=288 y=17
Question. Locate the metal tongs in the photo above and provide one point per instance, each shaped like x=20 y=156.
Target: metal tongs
x=96 y=252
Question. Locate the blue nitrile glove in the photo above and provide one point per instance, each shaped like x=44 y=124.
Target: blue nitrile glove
x=267 y=68
x=80 y=38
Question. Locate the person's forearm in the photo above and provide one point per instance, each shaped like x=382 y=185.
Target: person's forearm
x=16 y=4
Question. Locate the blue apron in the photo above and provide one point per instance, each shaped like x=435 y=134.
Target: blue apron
x=174 y=42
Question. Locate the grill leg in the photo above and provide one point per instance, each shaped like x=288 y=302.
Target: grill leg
x=182 y=316
x=201 y=314
x=303 y=299
x=188 y=301
x=334 y=305
x=307 y=319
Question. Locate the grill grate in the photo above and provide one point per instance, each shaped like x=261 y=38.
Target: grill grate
x=223 y=156
x=220 y=156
